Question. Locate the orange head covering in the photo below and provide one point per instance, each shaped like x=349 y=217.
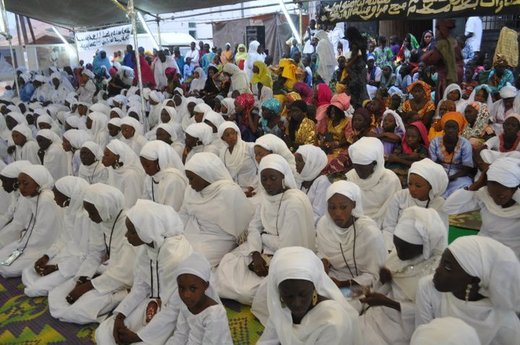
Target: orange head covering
x=427 y=88
x=454 y=116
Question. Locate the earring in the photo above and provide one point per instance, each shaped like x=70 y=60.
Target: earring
x=282 y=302
x=66 y=203
x=118 y=164
x=314 y=298
x=468 y=290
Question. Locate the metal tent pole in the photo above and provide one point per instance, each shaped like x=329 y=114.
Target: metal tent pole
x=132 y=13
x=9 y=37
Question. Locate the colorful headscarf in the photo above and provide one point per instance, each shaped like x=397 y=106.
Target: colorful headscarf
x=273 y=104
x=263 y=76
x=324 y=94
x=305 y=91
x=454 y=116
x=423 y=132
x=246 y=101
x=427 y=88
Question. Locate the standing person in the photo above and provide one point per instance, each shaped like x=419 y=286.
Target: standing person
x=383 y=53
x=179 y=59
x=326 y=57
x=193 y=54
x=146 y=71
x=252 y=56
x=227 y=54
x=308 y=48
x=159 y=66
x=356 y=67
x=473 y=33
x=129 y=58
x=305 y=306
x=446 y=56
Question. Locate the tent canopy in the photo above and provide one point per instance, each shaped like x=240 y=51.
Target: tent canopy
x=97 y=13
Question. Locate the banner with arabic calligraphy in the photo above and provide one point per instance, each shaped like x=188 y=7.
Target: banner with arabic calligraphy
x=116 y=35
x=364 y=10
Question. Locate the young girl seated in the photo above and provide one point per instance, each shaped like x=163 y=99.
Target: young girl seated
x=508 y=142
x=199 y=138
x=62 y=260
x=51 y=153
x=391 y=131
x=42 y=222
x=302 y=130
x=131 y=130
x=173 y=135
x=202 y=318
x=377 y=183
x=350 y=244
x=498 y=201
x=157 y=229
x=72 y=141
x=427 y=181
x=91 y=168
x=478 y=130
x=114 y=128
x=25 y=147
x=310 y=162
x=420 y=238
x=414 y=147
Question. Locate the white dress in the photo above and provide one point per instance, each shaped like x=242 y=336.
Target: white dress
x=317 y=196
x=167 y=187
x=43 y=224
x=56 y=161
x=28 y=152
x=493 y=326
x=129 y=181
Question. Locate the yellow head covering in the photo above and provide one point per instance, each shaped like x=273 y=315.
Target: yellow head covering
x=289 y=72
x=263 y=76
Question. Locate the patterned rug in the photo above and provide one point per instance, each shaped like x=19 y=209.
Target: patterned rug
x=468 y=220
x=27 y=321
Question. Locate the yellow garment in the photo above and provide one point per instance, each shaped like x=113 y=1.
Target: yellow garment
x=507 y=46
x=289 y=72
x=240 y=56
x=306 y=133
x=263 y=76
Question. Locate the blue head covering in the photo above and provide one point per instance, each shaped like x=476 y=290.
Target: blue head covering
x=273 y=105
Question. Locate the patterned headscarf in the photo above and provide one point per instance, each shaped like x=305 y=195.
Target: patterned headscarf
x=273 y=104
x=427 y=88
x=246 y=101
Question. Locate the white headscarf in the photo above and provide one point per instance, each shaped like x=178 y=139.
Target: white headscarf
x=118 y=111
x=239 y=79
x=23 y=130
x=315 y=161
x=198 y=84
x=174 y=115
x=107 y=200
x=301 y=263
x=170 y=129
x=202 y=108
x=136 y=125
x=49 y=134
x=13 y=169
x=423 y=226
x=506 y=171
x=278 y=163
x=18 y=117
x=445 y=331
x=230 y=106
x=94 y=148
x=460 y=103
x=99 y=122
x=164 y=153
x=154 y=222
x=127 y=156
x=365 y=151
x=208 y=166
x=40 y=175
x=201 y=131
x=215 y=118
x=233 y=160
x=74 y=188
x=77 y=137
x=276 y=145
x=398 y=120
x=495 y=264
x=326 y=56
x=433 y=173
x=349 y=190
x=100 y=107
x=197 y=265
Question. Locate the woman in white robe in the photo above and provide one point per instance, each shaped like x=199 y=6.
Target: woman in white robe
x=165 y=182
x=73 y=139
x=199 y=138
x=173 y=135
x=55 y=159
x=350 y=244
x=209 y=326
x=329 y=319
x=124 y=171
x=215 y=210
x=460 y=103
x=42 y=221
x=427 y=182
x=91 y=168
x=310 y=162
x=252 y=56
x=420 y=238
x=238 y=157
x=445 y=331
x=214 y=120
x=498 y=202
x=62 y=260
x=227 y=107
x=270 y=143
x=131 y=131
x=12 y=221
x=198 y=82
x=102 y=281
x=44 y=121
x=97 y=125
x=157 y=230
x=377 y=183
x=239 y=79
x=283 y=218
x=477 y=281
x=26 y=148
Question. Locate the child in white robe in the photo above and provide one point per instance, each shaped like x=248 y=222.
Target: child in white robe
x=52 y=154
x=478 y=281
x=420 y=238
x=124 y=170
x=26 y=147
x=131 y=131
x=498 y=202
x=73 y=139
x=157 y=230
x=283 y=218
x=62 y=260
x=377 y=183
x=165 y=182
x=202 y=318
x=99 y=285
x=42 y=221
x=92 y=169
x=97 y=125
x=445 y=331
x=349 y=243
x=215 y=210
x=328 y=319
x=199 y=138
x=12 y=221
x=310 y=162
x=427 y=182
x=238 y=157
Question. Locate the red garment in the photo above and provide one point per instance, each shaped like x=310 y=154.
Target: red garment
x=324 y=95
x=146 y=73
x=305 y=91
x=424 y=135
